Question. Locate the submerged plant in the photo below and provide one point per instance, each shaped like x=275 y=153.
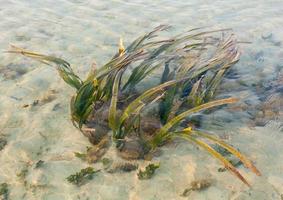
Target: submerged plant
x=148 y=172
x=94 y=153
x=192 y=136
x=39 y=164
x=191 y=67
x=123 y=167
x=4 y=191
x=197 y=185
x=3 y=143
x=81 y=177
x=106 y=162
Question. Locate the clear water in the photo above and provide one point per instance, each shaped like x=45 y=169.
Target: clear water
x=86 y=31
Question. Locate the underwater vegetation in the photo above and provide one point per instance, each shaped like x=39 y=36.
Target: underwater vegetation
x=3 y=143
x=148 y=172
x=82 y=176
x=197 y=186
x=4 y=191
x=189 y=66
x=123 y=167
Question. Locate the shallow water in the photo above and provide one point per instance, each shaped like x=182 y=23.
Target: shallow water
x=86 y=31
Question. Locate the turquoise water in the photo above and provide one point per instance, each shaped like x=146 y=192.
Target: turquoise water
x=83 y=32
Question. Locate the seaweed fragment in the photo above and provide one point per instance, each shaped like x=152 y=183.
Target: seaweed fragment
x=81 y=156
x=106 y=162
x=123 y=167
x=39 y=164
x=197 y=185
x=95 y=152
x=22 y=174
x=79 y=178
x=3 y=143
x=148 y=172
x=4 y=191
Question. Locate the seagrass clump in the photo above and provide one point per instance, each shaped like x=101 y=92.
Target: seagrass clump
x=144 y=92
